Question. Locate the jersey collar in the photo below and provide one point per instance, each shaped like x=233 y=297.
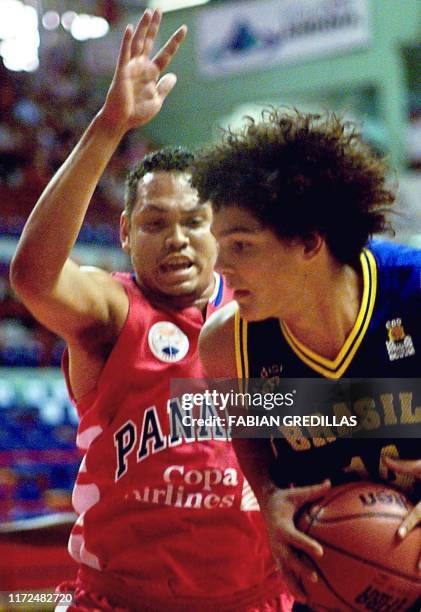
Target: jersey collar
x=336 y=368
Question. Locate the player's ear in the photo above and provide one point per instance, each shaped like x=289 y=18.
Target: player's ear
x=124 y=232
x=312 y=244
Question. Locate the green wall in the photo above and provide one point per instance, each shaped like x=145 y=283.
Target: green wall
x=371 y=81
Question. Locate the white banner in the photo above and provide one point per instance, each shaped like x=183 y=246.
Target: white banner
x=241 y=36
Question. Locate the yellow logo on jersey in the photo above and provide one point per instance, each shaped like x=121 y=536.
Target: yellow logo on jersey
x=399 y=345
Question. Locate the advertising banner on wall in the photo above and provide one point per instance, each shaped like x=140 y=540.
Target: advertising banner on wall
x=243 y=36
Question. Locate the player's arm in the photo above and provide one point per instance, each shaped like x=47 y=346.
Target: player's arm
x=61 y=294
x=278 y=506
x=217 y=353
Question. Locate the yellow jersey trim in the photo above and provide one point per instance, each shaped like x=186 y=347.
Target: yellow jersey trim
x=245 y=349
x=237 y=340
x=241 y=352
x=337 y=367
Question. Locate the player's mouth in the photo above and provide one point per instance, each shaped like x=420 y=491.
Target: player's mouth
x=178 y=267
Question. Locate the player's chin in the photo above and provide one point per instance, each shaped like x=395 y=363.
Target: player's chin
x=250 y=312
x=187 y=287
x=182 y=294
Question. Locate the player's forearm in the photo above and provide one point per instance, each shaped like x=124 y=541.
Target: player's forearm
x=53 y=226
x=255 y=457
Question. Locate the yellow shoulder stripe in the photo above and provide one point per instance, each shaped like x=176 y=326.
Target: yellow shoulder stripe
x=336 y=368
x=241 y=353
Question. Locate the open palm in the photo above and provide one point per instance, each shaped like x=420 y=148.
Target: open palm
x=137 y=92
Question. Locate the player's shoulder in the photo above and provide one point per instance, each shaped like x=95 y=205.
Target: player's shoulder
x=391 y=255
x=111 y=282
x=99 y=277
x=109 y=287
x=216 y=342
x=398 y=268
x=99 y=274
x=220 y=321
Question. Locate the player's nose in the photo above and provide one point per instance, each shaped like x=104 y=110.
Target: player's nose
x=176 y=239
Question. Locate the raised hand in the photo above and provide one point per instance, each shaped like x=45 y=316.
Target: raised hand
x=137 y=92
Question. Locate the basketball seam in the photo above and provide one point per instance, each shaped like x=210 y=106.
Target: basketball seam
x=331 y=589
x=370 y=563
x=346 y=517
x=329 y=500
x=325 y=504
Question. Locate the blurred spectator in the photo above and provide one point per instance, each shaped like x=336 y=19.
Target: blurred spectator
x=37 y=132
x=40 y=122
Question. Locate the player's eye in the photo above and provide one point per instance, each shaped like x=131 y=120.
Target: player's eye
x=154 y=225
x=195 y=222
x=240 y=246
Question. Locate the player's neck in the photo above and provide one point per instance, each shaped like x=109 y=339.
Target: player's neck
x=330 y=311
x=178 y=302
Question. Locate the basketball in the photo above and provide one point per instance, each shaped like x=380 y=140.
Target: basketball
x=365 y=566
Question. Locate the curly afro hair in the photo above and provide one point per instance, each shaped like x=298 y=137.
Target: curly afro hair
x=169 y=159
x=300 y=174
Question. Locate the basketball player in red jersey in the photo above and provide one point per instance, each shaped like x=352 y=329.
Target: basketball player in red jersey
x=164 y=521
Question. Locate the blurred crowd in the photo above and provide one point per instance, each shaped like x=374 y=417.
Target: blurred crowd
x=42 y=116
x=38 y=458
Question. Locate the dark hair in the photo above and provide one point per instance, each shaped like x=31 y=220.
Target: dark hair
x=169 y=159
x=298 y=174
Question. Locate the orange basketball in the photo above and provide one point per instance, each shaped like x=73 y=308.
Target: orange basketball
x=365 y=565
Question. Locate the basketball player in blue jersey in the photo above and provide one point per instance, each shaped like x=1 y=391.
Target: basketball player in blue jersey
x=296 y=199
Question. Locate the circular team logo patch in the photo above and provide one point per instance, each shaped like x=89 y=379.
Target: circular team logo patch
x=167 y=342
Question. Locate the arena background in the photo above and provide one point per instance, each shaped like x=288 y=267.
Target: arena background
x=55 y=66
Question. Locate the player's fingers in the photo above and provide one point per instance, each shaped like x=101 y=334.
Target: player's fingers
x=303 y=495
x=165 y=55
x=410 y=521
x=301 y=541
x=404 y=466
x=124 y=53
x=140 y=33
x=308 y=568
x=152 y=32
x=166 y=84
x=302 y=568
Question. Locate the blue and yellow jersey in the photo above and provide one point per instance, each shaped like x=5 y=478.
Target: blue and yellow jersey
x=385 y=342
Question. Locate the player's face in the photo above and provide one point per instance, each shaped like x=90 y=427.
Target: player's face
x=266 y=273
x=169 y=240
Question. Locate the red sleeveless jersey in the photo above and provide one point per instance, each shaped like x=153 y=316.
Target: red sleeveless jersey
x=163 y=517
